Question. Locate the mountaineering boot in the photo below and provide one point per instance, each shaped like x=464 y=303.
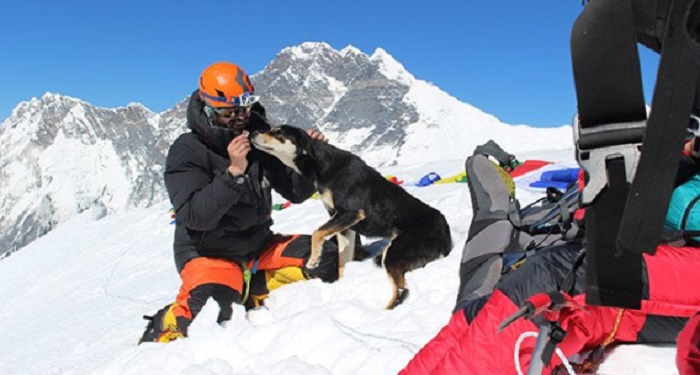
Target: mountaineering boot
x=505 y=160
x=163 y=326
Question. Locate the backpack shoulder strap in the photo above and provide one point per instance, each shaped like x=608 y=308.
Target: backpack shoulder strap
x=609 y=132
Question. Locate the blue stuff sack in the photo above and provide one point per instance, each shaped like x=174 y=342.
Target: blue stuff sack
x=683 y=210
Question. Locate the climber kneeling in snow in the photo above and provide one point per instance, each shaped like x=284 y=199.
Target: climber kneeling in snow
x=220 y=189
x=502 y=268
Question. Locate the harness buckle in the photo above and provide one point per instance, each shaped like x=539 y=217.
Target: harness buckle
x=598 y=145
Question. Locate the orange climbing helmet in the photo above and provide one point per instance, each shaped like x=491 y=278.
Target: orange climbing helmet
x=224 y=84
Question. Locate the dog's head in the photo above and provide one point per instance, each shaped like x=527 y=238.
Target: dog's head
x=287 y=143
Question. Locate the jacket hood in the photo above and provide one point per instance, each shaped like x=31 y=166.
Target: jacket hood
x=216 y=137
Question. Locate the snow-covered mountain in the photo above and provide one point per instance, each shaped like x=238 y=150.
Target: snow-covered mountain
x=81 y=313
x=372 y=106
x=60 y=156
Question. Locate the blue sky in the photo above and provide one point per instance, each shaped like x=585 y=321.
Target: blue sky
x=509 y=58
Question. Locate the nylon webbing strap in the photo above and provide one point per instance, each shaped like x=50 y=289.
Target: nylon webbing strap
x=606 y=65
x=642 y=223
x=610 y=123
x=246 y=283
x=247 y=276
x=613 y=278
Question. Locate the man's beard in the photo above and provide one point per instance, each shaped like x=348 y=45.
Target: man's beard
x=237 y=125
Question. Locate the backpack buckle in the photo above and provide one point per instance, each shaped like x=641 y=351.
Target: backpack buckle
x=596 y=146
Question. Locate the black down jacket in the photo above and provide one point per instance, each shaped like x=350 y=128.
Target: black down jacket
x=215 y=216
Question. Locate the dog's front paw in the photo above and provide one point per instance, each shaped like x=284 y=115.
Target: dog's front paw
x=312 y=263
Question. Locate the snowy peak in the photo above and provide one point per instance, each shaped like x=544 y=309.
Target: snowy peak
x=391 y=68
x=60 y=155
x=374 y=107
x=307 y=50
x=351 y=50
x=54 y=111
x=310 y=51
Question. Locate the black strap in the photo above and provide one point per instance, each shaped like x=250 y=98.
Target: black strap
x=686 y=214
x=623 y=222
x=606 y=68
x=613 y=277
x=647 y=204
x=564 y=202
x=565 y=220
x=673 y=236
x=556 y=335
x=611 y=112
x=567 y=286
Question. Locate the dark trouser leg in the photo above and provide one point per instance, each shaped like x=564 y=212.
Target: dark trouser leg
x=202 y=278
x=490 y=232
x=282 y=262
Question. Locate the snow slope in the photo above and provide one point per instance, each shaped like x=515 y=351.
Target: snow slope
x=73 y=302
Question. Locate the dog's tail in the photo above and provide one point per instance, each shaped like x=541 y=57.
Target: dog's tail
x=378 y=260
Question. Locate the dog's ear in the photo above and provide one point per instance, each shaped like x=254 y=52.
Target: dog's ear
x=258 y=122
x=311 y=148
x=304 y=141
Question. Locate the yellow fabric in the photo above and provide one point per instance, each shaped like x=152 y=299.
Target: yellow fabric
x=460 y=177
x=168 y=336
x=170 y=329
x=282 y=276
x=507 y=180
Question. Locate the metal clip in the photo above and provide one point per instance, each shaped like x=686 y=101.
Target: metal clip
x=595 y=146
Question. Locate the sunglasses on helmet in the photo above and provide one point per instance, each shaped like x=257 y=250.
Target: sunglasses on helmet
x=243 y=100
x=231 y=112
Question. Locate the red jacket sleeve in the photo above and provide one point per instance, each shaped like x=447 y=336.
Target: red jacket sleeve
x=444 y=342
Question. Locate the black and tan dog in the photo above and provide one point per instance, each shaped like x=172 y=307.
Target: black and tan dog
x=361 y=200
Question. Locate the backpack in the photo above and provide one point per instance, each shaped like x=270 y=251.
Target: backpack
x=683 y=216
x=550 y=218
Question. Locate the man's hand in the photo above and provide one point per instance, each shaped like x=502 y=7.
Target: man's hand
x=238 y=149
x=317 y=135
x=692 y=149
